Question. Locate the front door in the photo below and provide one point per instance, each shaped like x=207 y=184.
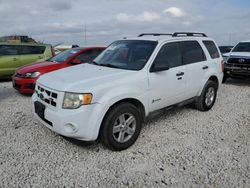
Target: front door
x=167 y=87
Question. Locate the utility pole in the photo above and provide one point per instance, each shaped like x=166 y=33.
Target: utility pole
x=230 y=38
x=85 y=34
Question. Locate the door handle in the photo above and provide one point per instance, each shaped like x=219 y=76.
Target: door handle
x=180 y=74
x=205 y=67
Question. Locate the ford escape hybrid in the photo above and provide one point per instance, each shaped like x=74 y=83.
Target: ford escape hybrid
x=109 y=98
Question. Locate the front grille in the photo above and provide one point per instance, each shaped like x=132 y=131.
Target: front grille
x=238 y=61
x=50 y=97
x=20 y=75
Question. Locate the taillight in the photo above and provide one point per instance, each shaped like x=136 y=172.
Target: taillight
x=222 y=65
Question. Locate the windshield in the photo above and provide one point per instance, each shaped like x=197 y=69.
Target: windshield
x=225 y=49
x=127 y=54
x=242 y=47
x=63 y=56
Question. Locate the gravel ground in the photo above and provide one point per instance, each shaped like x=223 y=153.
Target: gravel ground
x=178 y=148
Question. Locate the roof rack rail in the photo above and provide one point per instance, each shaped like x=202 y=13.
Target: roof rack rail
x=189 y=34
x=154 y=34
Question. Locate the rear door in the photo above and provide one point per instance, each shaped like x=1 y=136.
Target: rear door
x=196 y=63
x=31 y=53
x=215 y=58
x=167 y=87
x=9 y=59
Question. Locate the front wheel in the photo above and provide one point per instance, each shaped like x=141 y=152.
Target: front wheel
x=208 y=96
x=121 y=126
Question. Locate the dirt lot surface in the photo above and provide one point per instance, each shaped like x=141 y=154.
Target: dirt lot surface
x=178 y=148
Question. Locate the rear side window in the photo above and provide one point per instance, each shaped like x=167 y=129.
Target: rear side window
x=169 y=54
x=8 y=50
x=26 y=50
x=192 y=52
x=212 y=49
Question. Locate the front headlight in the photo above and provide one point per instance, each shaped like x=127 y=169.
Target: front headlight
x=32 y=74
x=75 y=100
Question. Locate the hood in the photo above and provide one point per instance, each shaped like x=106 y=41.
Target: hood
x=39 y=67
x=240 y=54
x=226 y=54
x=80 y=77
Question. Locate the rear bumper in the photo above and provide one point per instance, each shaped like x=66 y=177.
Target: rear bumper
x=24 y=85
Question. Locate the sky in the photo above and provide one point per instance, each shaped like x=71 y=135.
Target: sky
x=104 y=21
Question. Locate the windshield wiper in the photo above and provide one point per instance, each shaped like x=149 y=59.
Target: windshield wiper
x=93 y=63
x=103 y=65
x=52 y=61
x=109 y=65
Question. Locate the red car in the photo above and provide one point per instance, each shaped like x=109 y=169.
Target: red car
x=24 y=79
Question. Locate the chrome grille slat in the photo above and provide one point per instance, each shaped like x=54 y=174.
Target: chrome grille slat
x=46 y=95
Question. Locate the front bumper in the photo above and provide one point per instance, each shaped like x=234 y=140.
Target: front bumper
x=86 y=120
x=236 y=71
x=24 y=85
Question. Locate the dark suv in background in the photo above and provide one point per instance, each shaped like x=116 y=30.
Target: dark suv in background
x=225 y=49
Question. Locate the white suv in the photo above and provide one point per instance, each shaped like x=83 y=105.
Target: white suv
x=110 y=97
x=238 y=62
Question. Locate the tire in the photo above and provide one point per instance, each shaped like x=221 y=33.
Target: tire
x=117 y=133
x=208 y=96
x=225 y=77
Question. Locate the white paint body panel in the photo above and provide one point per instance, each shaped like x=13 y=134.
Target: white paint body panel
x=110 y=85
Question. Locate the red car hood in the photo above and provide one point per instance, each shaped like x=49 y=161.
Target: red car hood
x=43 y=67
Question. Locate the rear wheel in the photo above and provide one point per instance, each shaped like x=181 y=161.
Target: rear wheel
x=121 y=126
x=208 y=96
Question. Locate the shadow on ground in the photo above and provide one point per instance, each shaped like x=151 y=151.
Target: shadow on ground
x=5 y=80
x=238 y=82
x=81 y=143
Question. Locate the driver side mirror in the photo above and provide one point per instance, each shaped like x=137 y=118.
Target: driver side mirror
x=158 y=67
x=76 y=61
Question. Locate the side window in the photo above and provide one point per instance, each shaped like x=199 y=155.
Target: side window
x=88 y=55
x=169 y=54
x=212 y=49
x=8 y=50
x=26 y=50
x=192 y=52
